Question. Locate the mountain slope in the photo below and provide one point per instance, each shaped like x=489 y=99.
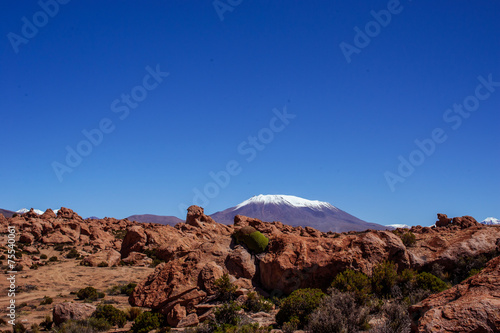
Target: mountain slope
x=491 y=221
x=296 y=211
x=7 y=213
x=150 y=218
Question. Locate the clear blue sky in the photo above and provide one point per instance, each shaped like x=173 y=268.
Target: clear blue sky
x=225 y=77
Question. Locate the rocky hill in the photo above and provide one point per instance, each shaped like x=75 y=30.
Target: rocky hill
x=195 y=253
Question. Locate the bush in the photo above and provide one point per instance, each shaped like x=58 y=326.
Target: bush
x=227 y=314
x=47 y=323
x=52 y=259
x=300 y=303
x=253 y=239
x=397 y=319
x=257 y=303
x=102 y=264
x=355 y=282
x=384 y=278
x=73 y=253
x=111 y=314
x=89 y=293
x=46 y=300
x=427 y=281
x=43 y=256
x=339 y=312
x=409 y=239
x=224 y=290
x=133 y=313
x=147 y=321
x=18 y=328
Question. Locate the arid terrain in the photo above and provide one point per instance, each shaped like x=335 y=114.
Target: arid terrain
x=179 y=271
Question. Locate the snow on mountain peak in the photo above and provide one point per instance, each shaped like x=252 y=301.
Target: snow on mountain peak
x=398 y=225
x=491 y=221
x=290 y=200
x=38 y=211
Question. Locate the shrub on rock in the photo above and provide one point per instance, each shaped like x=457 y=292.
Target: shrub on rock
x=253 y=239
x=300 y=304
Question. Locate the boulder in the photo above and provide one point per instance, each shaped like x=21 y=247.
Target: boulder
x=26 y=238
x=196 y=217
x=471 y=306
x=48 y=214
x=66 y=213
x=137 y=259
x=240 y=263
x=71 y=311
x=134 y=241
x=443 y=220
x=176 y=315
x=189 y=321
x=110 y=257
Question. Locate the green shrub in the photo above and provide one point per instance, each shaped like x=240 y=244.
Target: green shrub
x=52 y=259
x=253 y=239
x=339 y=312
x=18 y=328
x=474 y=271
x=89 y=293
x=384 y=278
x=257 y=303
x=409 y=239
x=102 y=264
x=47 y=323
x=430 y=282
x=111 y=314
x=355 y=282
x=224 y=290
x=227 y=314
x=133 y=313
x=147 y=321
x=46 y=300
x=73 y=253
x=300 y=303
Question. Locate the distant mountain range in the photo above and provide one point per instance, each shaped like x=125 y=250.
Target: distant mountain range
x=7 y=213
x=296 y=211
x=491 y=221
x=160 y=219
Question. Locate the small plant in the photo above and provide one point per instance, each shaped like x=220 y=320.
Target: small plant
x=111 y=314
x=47 y=323
x=257 y=303
x=35 y=328
x=409 y=239
x=355 y=282
x=18 y=328
x=52 y=259
x=133 y=313
x=89 y=294
x=227 y=314
x=102 y=264
x=300 y=303
x=43 y=256
x=147 y=321
x=224 y=290
x=253 y=239
x=59 y=247
x=384 y=278
x=46 y=300
x=427 y=281
x=73 y=253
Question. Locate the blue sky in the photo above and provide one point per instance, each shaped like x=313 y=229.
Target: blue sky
x=267 y=92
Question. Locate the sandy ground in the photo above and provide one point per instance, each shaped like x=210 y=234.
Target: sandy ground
x=57 y=280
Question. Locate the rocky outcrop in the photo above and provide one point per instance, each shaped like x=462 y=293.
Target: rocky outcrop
x=71 y=311
x=104 y=258
x=471 y=306
x=443 y=220
x=196 y=217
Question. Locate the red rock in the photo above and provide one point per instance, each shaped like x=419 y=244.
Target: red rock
x=26 y=238
x=176 y=315
x=71 y=311
x=471 y=306
x=189 y=321
x=196 y=217
x=137 y=259
x=56 y=238
x=135 y=241
x=110 y=257
x=465 y=222
x=48 y=214
x=443 y=220
x=240 y=263
x=208 y=274
x=67 y=213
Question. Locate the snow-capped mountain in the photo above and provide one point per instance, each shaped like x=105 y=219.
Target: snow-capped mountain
x=296 y=211
x=404 y=226
x=491 y=221
x=38 y=211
